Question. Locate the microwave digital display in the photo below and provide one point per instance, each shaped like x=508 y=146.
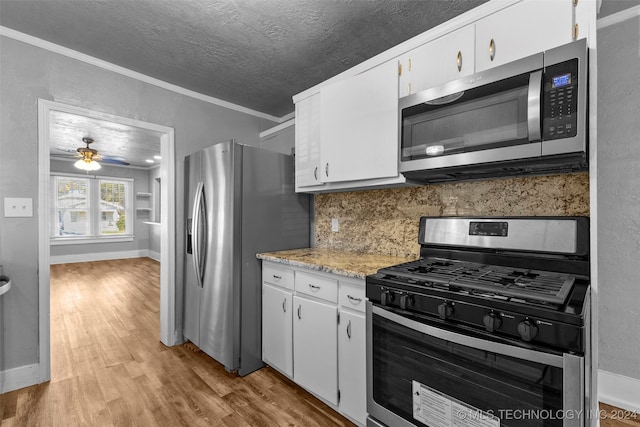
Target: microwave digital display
x=560 y=81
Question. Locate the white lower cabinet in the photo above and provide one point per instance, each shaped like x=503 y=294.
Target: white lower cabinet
x=303 y=337
x=277 y=328
x=351 y=360
x=315 y=347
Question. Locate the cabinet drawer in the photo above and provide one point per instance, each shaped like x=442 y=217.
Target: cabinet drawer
x=317 y=286
x=277 y=275
x=352 y=295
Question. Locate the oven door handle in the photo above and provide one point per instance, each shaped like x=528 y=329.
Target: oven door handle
x=534 y=96
x=477 y=343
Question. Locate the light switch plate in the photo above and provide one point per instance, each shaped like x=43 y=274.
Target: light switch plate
x=18 y=207
x=335 y=225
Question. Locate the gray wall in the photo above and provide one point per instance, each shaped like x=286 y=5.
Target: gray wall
x=619 y=197
x=610 y=7
x=141 y=230
x=282 y=142
x=28 y=73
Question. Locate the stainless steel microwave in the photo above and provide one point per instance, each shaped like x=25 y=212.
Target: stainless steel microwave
x=525 y=117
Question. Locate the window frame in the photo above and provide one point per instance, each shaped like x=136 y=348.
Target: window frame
x=94 y=210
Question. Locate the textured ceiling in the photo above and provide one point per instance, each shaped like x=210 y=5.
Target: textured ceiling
x=254 y=53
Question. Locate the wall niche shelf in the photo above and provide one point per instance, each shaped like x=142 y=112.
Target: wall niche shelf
x=144 y=211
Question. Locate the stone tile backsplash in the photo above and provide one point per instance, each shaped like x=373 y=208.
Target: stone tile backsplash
x=386 y=221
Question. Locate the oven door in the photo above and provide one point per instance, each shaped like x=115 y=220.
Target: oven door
x=422 y=375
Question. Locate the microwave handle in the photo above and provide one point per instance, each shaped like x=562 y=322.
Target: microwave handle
x=534 y=99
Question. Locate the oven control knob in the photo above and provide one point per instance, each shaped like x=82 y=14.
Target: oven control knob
x=386 y=297
x=445 y=310
x=406 y=301
x=491 y=321
x=527 y=330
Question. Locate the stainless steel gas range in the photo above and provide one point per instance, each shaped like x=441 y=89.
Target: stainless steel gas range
x=490 y=327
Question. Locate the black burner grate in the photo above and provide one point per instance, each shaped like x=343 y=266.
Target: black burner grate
x=529 y=285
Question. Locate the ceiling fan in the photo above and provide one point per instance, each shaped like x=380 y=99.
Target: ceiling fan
x=89 y=157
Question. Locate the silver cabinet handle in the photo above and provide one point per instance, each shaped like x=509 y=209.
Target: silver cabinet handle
x=277 y=277
x=315 y=173
x=299 y=314
x=349 y=329
x=354 y=299
x=284 y=305
x=314 y=287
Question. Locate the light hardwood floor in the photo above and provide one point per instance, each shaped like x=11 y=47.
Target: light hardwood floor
x=108 y=366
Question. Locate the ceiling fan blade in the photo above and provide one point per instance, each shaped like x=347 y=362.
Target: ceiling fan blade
x=65 y=151
x=113 y=160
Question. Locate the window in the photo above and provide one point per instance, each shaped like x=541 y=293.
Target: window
x=91 y=209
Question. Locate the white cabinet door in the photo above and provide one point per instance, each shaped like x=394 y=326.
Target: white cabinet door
x=521 y=30
x=444 y=59
x=359 y=128
x=308 y=142
x=315 y=348
x=277 y=328
x=352 y=357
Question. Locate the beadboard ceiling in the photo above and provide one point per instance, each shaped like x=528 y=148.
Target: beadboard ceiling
x=253 y=53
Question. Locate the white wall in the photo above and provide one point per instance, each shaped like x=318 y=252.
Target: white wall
x=29 y=73
x=618 y=215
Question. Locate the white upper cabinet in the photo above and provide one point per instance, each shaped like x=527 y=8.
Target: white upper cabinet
x=308 y=142
x=347 y=131
x=359 y=127
x=523 y=29
x=444 y=59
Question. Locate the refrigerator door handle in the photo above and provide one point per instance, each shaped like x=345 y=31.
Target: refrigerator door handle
x=195 y=227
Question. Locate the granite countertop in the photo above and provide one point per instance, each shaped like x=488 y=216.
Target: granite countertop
x=345 y=263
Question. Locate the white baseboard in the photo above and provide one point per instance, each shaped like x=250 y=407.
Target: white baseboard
x=154 y=255
x=618 y=390
x=100 y=256
x=20 y=377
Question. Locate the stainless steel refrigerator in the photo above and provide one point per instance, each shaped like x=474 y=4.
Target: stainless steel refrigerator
x=240 y=201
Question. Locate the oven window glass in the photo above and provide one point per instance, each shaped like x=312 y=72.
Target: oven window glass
x=487 y=117
x=512 y=389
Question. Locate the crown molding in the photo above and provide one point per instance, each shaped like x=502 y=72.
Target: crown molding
x=276 y=129
x=616 y=18
x=74 y=54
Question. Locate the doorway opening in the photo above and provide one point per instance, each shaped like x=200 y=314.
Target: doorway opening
x=47 y=111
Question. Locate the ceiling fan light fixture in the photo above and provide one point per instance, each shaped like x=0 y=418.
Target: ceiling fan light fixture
x=90 y=165
x=87 y=163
